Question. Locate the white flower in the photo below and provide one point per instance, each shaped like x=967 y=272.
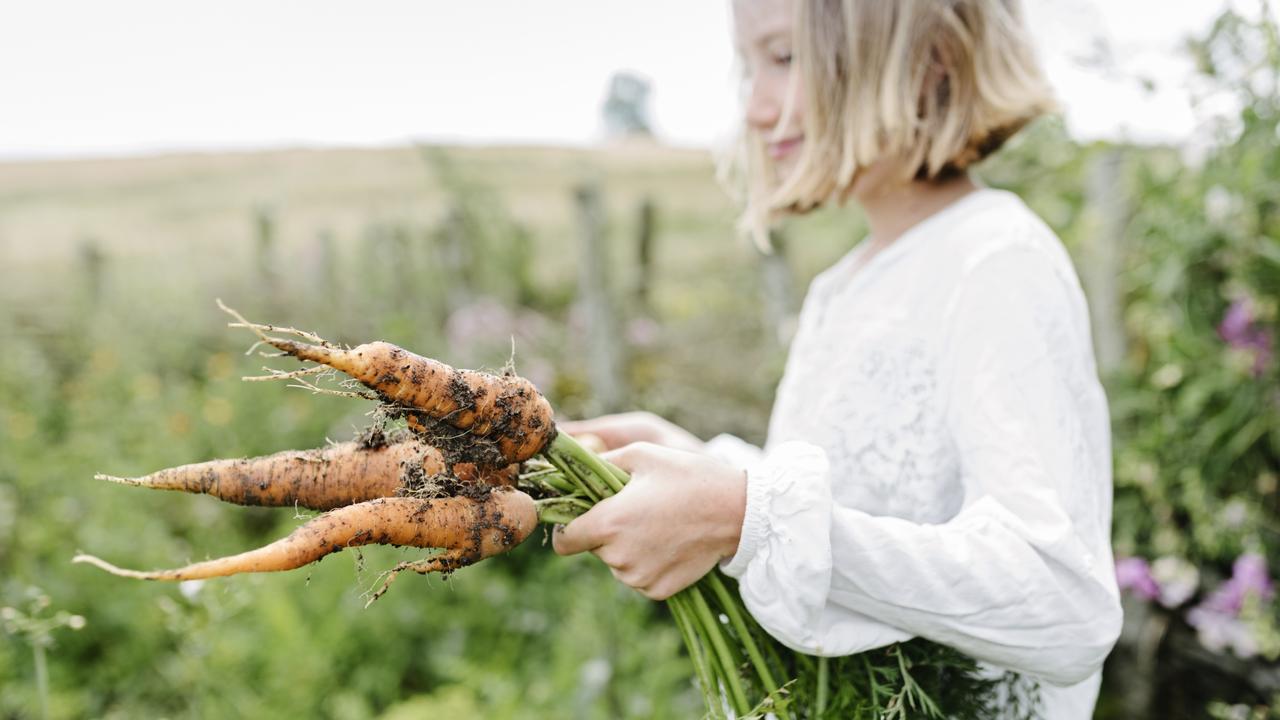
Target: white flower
x=1234 y=513
x=1167 y=376
x=595 y=673
x=1217 y=204
x=1178 y=580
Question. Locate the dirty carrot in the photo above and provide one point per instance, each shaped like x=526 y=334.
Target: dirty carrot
x=321 y=478
x=505 y=410
x=466 y=529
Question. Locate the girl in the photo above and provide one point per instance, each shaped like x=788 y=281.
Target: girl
x=938 y=458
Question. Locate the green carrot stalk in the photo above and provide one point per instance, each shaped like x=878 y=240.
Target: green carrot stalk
x=710 y=689
x=723 y=653
x=730 y=607
x=820 y=696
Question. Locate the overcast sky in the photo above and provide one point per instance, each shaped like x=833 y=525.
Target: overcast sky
x=131 y=76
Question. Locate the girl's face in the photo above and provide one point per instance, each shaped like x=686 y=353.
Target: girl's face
x=763 y=38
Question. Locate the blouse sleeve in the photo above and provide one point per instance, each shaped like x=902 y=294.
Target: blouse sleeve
x=733 y=450
x=1022 y=576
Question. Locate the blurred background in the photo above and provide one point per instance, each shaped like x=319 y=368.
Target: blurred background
x=535 y=181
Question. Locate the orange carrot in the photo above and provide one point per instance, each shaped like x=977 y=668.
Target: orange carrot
x=506 y=408
x=507 y=419
x=466 y=529
x=322 y=478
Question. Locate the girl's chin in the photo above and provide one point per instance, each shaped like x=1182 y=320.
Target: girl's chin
x=784 y=167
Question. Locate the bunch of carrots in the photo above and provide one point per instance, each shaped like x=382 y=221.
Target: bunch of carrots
x=477 y=465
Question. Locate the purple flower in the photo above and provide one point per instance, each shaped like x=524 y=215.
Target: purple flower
x=643 y=332
x=1134 y=574
x=488 y=324
x=1217 y=631
x=1217 y=619
x=1251 y=571
x=1248 y=576
x=1239 y=330
x=1234 y=328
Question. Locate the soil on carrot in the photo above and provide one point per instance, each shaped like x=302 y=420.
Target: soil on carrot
x=462 y=446
x=487 y=521
x=457 y=446
x=377 y=436
x=416 y=482
x=373 y=437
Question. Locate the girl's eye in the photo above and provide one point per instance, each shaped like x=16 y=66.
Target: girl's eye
x=782 y=59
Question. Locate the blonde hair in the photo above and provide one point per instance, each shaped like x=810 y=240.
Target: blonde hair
x=935 y=85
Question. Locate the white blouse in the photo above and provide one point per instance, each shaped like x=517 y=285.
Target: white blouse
x=939 y=459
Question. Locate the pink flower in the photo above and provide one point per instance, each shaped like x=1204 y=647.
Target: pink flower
x=1240 y=331
x=1248 y=576
x=643 y=332
x=1236 y=323
x=1217 y=619
x=488 y=325
x=1134 y=574
x=1218 y=631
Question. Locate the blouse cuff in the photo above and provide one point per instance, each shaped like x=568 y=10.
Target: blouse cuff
x=733 y=450
x=753 y=525
x=769 y=481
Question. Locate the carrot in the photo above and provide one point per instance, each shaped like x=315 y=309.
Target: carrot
x=466 y=529
x=322 y=478
x=505 y=410
x=319 y=479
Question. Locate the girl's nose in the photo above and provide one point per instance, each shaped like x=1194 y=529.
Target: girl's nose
x=763 y=107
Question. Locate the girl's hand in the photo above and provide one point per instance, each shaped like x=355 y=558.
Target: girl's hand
x=623 y=429
x=679 y=516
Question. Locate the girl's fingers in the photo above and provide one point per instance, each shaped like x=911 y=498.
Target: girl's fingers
x=618 y=429
x=591 y=441
x=619 y=436
x=627 y=456
x=583 y=534
x=638 y=455
x=597 y=436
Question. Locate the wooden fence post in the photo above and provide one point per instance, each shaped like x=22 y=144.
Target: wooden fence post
x=264 y=232
x=644 y=254
x=519 y=267
x=270 y=282
x=402 y=266
x=1101 y=255
x=327 y=286
x=456 y=259
x=92 y=268
x=326 y=262
x=603 y=341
